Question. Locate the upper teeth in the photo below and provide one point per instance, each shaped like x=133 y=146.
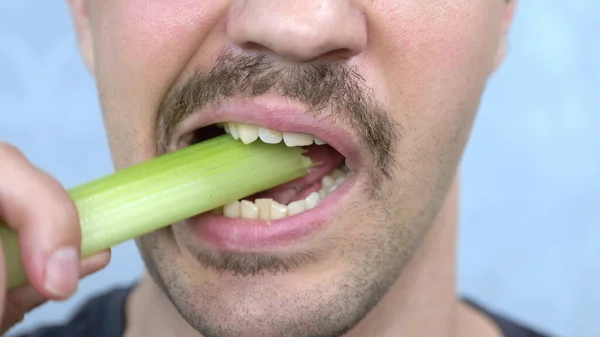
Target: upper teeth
x=249 y=133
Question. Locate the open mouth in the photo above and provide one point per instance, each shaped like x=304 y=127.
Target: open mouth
x=289 y=199
x=287 y=214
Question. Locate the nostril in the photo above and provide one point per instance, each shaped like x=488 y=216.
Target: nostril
x=336 y=55
x=329 y=56
x=252 y=46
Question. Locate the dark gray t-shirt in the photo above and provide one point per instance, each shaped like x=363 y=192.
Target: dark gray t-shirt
x=103 y=316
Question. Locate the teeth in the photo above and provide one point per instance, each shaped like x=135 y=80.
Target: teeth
x=297 y=139
x=269 y=209
x=232 y=210
x=337 y=173
x=318 y=141
x=233 y=130
x=270 y=136
x=249 y=210
x=264 y=208
x=312 y=200
x=278 y=211
x=327 y=181
x=248 y=133
x=296 y=207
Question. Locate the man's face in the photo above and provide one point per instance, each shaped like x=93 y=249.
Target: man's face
x=393 y=86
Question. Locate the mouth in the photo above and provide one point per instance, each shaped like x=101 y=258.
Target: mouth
x=286 y=213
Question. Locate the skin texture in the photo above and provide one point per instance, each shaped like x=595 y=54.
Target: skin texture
x=35 y=205
x=386 y=266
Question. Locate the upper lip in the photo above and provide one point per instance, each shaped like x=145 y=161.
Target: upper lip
x=276 y=113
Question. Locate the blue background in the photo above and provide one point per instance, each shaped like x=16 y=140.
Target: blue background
x=530 y=238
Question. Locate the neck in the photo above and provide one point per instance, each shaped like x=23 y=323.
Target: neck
x=421 y=303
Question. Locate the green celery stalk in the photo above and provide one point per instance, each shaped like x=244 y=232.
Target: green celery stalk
x=154 y=194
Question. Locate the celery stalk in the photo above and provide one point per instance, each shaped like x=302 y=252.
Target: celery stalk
x=154 y=194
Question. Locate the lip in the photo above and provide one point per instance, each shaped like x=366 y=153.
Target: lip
x=277 y=113
x=246 y=235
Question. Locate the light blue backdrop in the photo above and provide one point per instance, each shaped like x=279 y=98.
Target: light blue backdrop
x=530 y=240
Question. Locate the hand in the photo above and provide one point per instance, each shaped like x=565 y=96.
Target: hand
x=41 y=211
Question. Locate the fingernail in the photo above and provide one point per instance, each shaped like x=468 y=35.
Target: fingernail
x=62 y=272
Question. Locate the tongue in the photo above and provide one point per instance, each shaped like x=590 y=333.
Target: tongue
x=326 y=158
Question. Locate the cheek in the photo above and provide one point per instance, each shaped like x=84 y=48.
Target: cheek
x=434 y=57
x=436 y=54
x=141 y=48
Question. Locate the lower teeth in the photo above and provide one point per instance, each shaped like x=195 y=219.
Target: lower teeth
x=269 y=209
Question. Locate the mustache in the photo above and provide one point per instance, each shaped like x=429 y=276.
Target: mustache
x=333 y=92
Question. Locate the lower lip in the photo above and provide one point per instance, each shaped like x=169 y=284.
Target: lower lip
x=236 y=234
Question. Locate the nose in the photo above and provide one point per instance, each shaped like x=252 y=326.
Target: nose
x=299 y=30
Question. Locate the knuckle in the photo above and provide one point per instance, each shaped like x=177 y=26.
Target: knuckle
x=8 y=150
x=59 y=205
x=66 y=212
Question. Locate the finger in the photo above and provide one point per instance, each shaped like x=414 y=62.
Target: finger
x=94 y=263
x=46 y=219
x=26 y=298
x=19 y=302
